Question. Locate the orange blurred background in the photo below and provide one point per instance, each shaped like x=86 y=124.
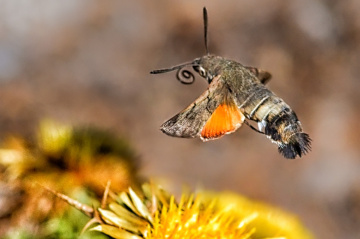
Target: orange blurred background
x=88 y=62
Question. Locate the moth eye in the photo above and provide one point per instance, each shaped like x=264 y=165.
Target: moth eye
x=196 y=68
x=202 y=72
x=209 y=78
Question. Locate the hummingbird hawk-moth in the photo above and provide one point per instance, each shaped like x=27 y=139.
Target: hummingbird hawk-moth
x=236 y=93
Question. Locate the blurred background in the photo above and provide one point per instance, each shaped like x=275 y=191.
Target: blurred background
x=87 y=63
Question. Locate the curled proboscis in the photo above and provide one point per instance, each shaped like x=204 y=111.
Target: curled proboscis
x=185 y=76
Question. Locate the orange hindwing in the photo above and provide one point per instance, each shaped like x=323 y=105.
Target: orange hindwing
x=225 y=119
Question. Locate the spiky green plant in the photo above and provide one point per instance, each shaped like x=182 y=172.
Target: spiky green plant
x=68 y=158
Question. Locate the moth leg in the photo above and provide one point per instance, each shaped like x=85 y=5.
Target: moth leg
x=252 y=127
x=263 y=76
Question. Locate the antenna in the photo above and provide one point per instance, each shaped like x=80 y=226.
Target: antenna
x=183 y=75
x=177 y=67
x=205 y=29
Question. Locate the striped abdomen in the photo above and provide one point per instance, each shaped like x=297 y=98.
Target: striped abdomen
x=277 y=121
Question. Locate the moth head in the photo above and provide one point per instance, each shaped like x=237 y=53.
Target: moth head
x=200 y=65
x=208 y=67
x=203 y=72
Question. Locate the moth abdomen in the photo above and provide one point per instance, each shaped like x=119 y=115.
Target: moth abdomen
x=285 y=130
x=299 y=144
x=278 y=122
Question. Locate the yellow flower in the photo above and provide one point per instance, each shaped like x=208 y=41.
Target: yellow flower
x=157 y=215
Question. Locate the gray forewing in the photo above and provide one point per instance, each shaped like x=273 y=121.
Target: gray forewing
x=189 y=122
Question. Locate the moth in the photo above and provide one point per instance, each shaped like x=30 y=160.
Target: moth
x=236 y=94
